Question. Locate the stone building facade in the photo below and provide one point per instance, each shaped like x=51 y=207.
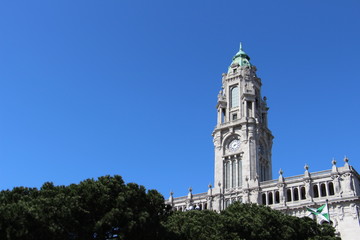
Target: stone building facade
x=243 y=165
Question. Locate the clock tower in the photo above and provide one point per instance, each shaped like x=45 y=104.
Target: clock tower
x=243 y=165
x=241 y=137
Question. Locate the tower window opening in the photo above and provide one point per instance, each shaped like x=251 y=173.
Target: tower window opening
x=331 y=189
x=249 y=109
x=302 y=193
x=234 y=97
x=223 y=114
x=239 y=173
x=288 y=195
x=277 y=197
x=270 y=197
x=227 y=175
x=233 y=174
x=234 y=116
x=263 y=196
x=296 y=194
x=316 y=191
x=323 y=190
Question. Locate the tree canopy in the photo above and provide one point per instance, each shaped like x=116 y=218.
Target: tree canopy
x=245 y=221
x=93 y=209
x=107 y=208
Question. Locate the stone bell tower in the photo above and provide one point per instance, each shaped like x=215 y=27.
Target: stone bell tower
x=242 y=139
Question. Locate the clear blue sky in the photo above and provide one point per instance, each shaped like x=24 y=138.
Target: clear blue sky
x=89 y=88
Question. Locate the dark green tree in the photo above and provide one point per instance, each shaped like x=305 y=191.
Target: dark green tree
x=200 y=225
x=106 y=208
x=245 y=221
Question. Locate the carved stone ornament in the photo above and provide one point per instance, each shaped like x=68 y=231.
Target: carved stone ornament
x=340 y=212
x=307 y=180
x=354 y=211
x=335 y=176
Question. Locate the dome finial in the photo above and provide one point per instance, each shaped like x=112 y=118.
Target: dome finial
x=240 y=46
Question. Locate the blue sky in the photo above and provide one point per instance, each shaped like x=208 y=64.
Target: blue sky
x=89 y=88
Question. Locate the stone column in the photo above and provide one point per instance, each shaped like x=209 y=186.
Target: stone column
x=219 y=116
x=237 y=172
x=253 y=109
x=267 y=198
x=245 y=109
x=231 y=175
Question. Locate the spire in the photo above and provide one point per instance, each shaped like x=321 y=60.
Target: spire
x=281 y=177
x=334 y=168
x=306 y=173
x=346 y=165
x=240 y=48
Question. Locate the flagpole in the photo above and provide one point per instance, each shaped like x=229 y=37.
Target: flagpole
x=327 y=206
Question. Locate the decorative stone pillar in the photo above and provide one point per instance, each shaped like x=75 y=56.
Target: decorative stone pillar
x=209 y=197
x=307 y=183
x=171 y=199
x=335 y=176
x=281 y=187
x=347 y=176
x=189 y=200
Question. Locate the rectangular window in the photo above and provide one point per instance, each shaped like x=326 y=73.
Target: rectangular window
x=223 y=113
x=240 y=173
x=234 y=116
x=234 y=97
x=249 y=109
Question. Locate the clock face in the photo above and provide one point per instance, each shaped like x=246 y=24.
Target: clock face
x=234 y=145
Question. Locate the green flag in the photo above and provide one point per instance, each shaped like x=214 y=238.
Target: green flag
x=322 y=213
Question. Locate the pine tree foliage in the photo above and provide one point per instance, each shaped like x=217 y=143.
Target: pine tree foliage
x=107 y=208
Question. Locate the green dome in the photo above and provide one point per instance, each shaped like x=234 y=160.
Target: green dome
x=240 y=58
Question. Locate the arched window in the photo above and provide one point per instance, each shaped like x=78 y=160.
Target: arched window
x=288 y=195
x=263 y=196
x=296 y=194
x=277 y=197
x=302 y=193
x=205 y=206
x=270 y=197
x=323 y=190
x=234 y=97
x=316 y=191
x=331 y=188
